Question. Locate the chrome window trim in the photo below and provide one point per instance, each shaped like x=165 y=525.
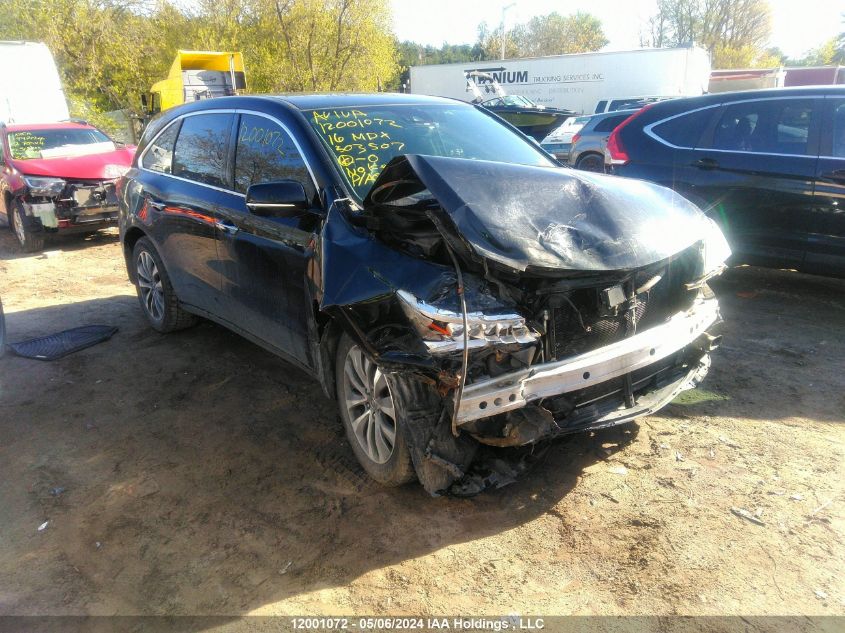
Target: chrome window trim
x=222 y=111
x=648 y=129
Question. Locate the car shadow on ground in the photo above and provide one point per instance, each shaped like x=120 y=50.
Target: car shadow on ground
x=10 y=248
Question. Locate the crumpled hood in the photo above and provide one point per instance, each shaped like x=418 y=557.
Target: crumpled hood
x=105 y=165
x=545 y=218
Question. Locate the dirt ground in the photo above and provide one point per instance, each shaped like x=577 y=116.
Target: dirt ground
x=195 y=473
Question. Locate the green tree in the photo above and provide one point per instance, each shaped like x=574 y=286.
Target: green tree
x=551 y=34
x=734 y=32
x=109 y=52
x=413 y=54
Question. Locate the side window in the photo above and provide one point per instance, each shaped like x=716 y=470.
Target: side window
x=159 y=156
x=265 y=152
x=600 y=106
x=610 y=123
x=685 y=130
x=200 y=153
x=839 y=131
x=774 y=126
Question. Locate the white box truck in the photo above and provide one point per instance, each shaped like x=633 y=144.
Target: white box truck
x=31 y=90
x=585 y=82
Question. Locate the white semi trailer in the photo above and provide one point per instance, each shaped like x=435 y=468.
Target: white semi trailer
x=31 y=90
x=585 y=82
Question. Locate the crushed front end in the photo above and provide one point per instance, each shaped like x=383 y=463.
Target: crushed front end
x=58 y=204
x=503 y=326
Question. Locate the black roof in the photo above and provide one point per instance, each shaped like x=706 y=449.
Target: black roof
x=741 y=95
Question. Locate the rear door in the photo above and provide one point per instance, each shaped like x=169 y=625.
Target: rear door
x=263 y=259
x=826 y=244
x=755 y=170
x=183 y=193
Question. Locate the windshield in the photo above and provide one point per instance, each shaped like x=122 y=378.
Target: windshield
x=29 y=144
x=363 y=140
x=510 y=100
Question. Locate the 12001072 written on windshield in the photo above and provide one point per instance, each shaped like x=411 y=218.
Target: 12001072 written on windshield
x=362 y=143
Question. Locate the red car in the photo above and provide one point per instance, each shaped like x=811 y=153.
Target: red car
x=58 y=178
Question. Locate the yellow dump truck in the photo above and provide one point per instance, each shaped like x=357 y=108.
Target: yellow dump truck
x=196 y=75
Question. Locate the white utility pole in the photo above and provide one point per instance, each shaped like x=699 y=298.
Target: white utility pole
x=505 y=8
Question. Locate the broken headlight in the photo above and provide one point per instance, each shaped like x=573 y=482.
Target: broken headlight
x=47 y=187
x=442 y=330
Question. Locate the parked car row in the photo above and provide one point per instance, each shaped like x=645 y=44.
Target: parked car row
x=450 y=287
x=581 y=141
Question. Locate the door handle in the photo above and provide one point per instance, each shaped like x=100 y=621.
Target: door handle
x=226 y=227
x=706 y=163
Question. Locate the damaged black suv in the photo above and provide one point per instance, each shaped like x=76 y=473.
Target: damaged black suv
x=446 y=281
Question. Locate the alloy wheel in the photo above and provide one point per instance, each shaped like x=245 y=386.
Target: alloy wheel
x=150 y=286
x=369 y=405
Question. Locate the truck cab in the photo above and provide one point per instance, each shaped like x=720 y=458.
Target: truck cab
x=196 y=75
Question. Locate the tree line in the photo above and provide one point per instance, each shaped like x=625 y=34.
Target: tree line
x=110 y=51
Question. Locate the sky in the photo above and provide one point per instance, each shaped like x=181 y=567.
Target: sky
x=797 y=25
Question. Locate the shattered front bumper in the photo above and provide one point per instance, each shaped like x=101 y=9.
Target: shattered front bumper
x=518 y=389
x=81 y=206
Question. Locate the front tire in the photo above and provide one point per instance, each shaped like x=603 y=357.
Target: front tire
x=370 y=418
x=30 y=241
x=155 y=292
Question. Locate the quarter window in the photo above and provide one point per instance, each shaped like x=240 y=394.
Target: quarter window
x=685 y=130
x=266 y=153
x=159 y=157
x=775 y=126
x=610 y=123
x=200 y=153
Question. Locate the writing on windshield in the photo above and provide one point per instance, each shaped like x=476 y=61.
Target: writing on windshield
x=362 y=143
x=29 y=144
x=363 y=140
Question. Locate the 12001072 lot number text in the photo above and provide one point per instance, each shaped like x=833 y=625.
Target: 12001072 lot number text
x=361 y=624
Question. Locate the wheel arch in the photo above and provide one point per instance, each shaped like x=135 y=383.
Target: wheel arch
x=130 y=238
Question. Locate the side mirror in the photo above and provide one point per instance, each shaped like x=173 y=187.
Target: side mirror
x=279 y=199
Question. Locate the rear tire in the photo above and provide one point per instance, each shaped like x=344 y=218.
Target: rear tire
x=30 y=242
x=155 y=292
x=370 y=418
x=590 y=162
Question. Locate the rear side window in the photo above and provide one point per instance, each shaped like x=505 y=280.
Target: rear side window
x=266 y=153
x=774 y=126
x=200 y=153
x=685 y=130
x=159 y=156
x=610 y=123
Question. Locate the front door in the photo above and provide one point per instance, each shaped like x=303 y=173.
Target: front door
x=263 y=259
